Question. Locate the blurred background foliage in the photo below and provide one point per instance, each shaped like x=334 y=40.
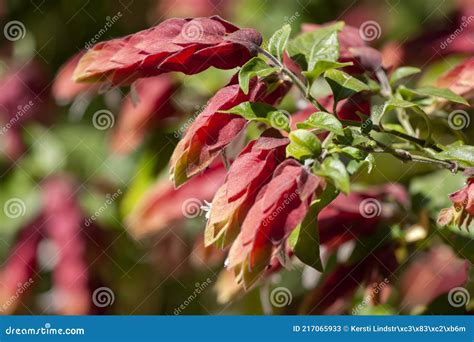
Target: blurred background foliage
x=157 y=275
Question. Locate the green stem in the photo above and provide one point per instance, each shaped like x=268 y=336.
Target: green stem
x=451 y=166
x=398 y=153
x=415 y=140
x=296 y=81
x=405 y=156
x=405 y=122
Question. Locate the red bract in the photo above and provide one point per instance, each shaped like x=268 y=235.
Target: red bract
x=186 y=45
x=16 y=276
x=346 y=109
x=63 y=224
x=64 y=89
x=460 y=79
x=162 y=205
x=252 y=169
x=212 y=131
x=280 y=206
x=153 y=108
x=462 y=211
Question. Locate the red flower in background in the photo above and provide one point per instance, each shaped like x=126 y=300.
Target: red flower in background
x=63 y=224
x=353 y=217
x=193 y=8
x=460 y=80
x=64 y=89
x=153 y=109
x=23 y=90
x=185 y=45
x=23 y=94
x=358 y=214
x=432 y=274
x=252 y=169
x=163 y=205
x=61 y=221
x=18 y=271
x=334 y=295
x=212 y=131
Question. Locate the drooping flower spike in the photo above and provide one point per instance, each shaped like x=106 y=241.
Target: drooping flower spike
x=461 y=213
x=234 y=199
x=213 y=130
x=280 y=207
x=185 y=45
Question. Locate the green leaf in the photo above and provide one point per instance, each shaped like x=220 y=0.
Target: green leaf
x=262 y=112
x=355 y=165
x=323 y=120
x=324 y=49
x=343 y=85
x=394 y=128
x=460 y=153
x=254 y=67
x=394 y=103
x=278 y=42
x=321 y=66
x=251 y=110
x=353 y=152
x=303 y=144
x=304 y=240
x=440 y=92
x=300 y=48
x=403 y=72
x=336 y=171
